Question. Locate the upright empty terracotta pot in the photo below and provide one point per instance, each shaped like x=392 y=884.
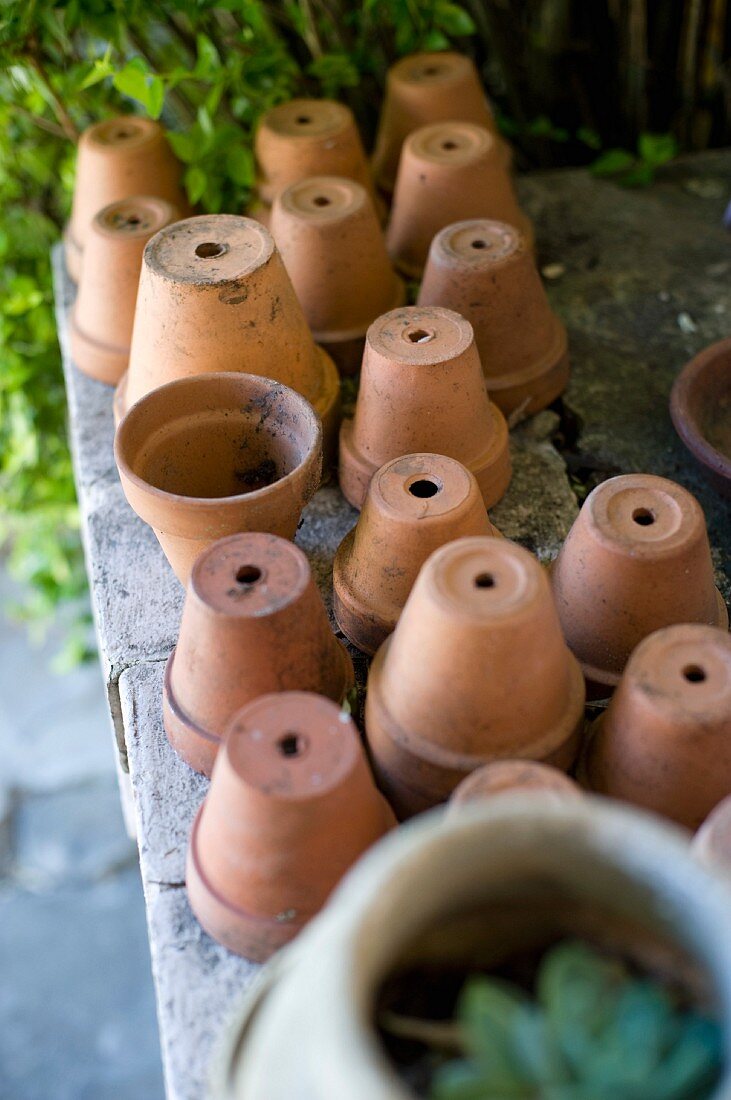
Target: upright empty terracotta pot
x=117 y=159
x=664 y=741
x=215 y=455
x=486 y=271
x=291 y=806
x=448 y=172
x=420 y=89
x=104 y=310
x=636 y=559
x=477 y=670
x=253 y=623
x=414 y=505
x=512 y=775
x=327 y=231
x=422 y=389
x=214 y=295
x=308 y=137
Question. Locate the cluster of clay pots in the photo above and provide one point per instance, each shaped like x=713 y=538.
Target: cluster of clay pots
x=225 y=336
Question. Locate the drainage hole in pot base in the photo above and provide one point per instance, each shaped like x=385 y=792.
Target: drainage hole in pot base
x=484 y=580
x=321 y=200
x=449 y=145
x=292 y=744
x=303 y=120
x=694 y=674
x=210 y=250
x=424 y=488
x=418 y=336
x=479 y=244
x=248 y=574
x=644 y=517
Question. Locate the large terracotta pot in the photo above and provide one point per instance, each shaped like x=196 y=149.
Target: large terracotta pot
x=214 y=295
x=636 y=559
x=422 y=389
x=118 y=158
x=290 y=807
x=485 y=270
x=217 y=454
x=477 y=670
x=506 y=875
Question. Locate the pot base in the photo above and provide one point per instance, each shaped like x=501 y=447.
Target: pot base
x=197 y=746
x=103 y=362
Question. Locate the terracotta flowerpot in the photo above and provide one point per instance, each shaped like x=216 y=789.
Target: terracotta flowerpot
x=712 y=842
x=104 y=310
x=512 y=775
x=414 y=505
x=214 y=455
x=327 y=231
x=119 y=158
x=664 y=741
x=422 y=390
x=308 y=137
x=253 y=623
x=477 y=670
x=214 y=294
x=501 y=880
x=700 y=406
x=291 y=806
x=448 y=172
x=485 y=270
x=423 y=88
x=636 y=559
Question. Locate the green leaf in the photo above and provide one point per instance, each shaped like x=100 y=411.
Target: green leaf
x=240 y=165
x=657 y=149
x=453 y=19
x=612 y=162
x=100 y=70
x=195 y=183
x=136 y=81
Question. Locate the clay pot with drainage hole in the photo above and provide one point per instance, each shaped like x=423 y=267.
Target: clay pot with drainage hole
x=253 y=623
x=214 y=295
x=476 y=670
x=104 y=310
x=291 y=806
x=448 y=172
x=512 y=775
x=422 y=390
x=485 y=270
x=119 y=158
x=636 y=559
x=414 y=505
x=327 y=231
x=421 y=89
x=308 y=137
x=215 y=455
x=664 y=742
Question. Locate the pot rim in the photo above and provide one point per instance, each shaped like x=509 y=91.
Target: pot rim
x=682 y=413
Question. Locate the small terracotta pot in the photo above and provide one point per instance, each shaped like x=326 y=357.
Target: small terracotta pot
x=308 y=137
x=664 y=741
x=448 y=172
x=636 y=559
x=253 y=623
x=119 y=158
x=421 y=89
x=422 y=389
x=700 y=406
x=485 y=270
x=512 y=775
x=104 y=310
x=215 y=455
x=291 y=806
x=415 y=504
x=214 y=294
x=477 y=670
x=327 y=231
x=712 y=842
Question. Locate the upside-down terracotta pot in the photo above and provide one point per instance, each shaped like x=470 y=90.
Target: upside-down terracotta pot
x=308 y=137
x=414 y=505
x=512 y=775
x=119 y=158
x=104 y=310
x=291 y=806
x=664 y=741
x=217 y=454
x=422 y=390
x=476 y=670
x=636 y=559
x=485 y=270
x=448 y=172
x=214 y=295
x=329 y=237
x=712 y=842
x=700 y=407
x=253 y=623
x=420 y=89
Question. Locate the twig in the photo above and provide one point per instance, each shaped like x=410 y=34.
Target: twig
x=66 y=122
x=41 y=123
x=445 y=1035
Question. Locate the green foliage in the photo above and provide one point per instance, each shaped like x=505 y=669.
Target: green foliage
x=637 y=170
x=593 y=1032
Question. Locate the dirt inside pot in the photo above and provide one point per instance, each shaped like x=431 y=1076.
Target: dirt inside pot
x=416 y=1004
